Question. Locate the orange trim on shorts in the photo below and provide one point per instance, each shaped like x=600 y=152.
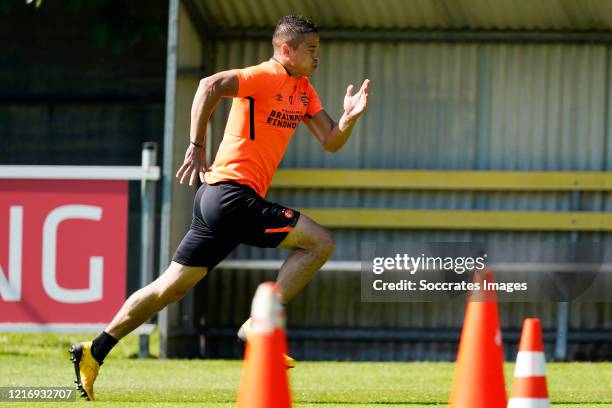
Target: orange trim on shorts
x=284 y=229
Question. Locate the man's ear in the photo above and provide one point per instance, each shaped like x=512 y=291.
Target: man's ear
x=285 y=50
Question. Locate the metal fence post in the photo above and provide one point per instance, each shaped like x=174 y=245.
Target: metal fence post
x=562 y=327
x=563 y=307
x=147 y=230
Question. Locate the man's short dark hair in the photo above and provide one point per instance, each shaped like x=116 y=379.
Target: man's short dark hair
x=292 y=29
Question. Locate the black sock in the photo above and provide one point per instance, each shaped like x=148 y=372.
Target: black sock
x=102 y=345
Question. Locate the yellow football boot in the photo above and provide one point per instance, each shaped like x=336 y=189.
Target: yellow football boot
x=289 y=362
x=85 y=367
x=245 y=332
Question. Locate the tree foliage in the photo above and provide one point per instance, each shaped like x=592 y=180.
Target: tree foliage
x=119 y=24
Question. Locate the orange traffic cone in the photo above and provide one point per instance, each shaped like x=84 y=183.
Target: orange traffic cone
x=529 y=384
x=479 y=373
x=264 y=381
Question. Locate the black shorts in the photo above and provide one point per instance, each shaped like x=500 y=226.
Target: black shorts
x=227 y=214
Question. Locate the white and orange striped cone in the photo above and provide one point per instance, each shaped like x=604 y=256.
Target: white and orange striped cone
x=529 y=385
x=264 y=382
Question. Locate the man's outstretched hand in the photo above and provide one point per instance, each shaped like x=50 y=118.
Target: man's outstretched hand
x=355 y=105
x=193 y=165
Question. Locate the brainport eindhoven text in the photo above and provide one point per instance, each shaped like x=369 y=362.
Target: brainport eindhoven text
x=410 y=265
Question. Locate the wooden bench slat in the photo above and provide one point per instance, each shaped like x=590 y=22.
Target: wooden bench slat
x=460 y=219
x=443 y=180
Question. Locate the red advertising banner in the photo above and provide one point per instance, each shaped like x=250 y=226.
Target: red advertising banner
x=63 y=250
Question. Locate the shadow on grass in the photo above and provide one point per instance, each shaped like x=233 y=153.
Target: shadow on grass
x=582 y=402
x=13 y=353
x=372 y=403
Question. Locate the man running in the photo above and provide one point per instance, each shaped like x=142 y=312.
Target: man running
x=270 y=100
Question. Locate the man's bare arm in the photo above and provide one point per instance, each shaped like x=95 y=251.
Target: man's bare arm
x=332 y=135
x=210 y=91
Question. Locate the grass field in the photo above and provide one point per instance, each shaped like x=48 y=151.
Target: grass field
x=42 y=360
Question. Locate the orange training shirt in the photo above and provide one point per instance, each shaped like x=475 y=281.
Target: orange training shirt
x=264 y=115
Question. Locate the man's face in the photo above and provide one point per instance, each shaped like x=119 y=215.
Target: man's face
x=305 y=58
